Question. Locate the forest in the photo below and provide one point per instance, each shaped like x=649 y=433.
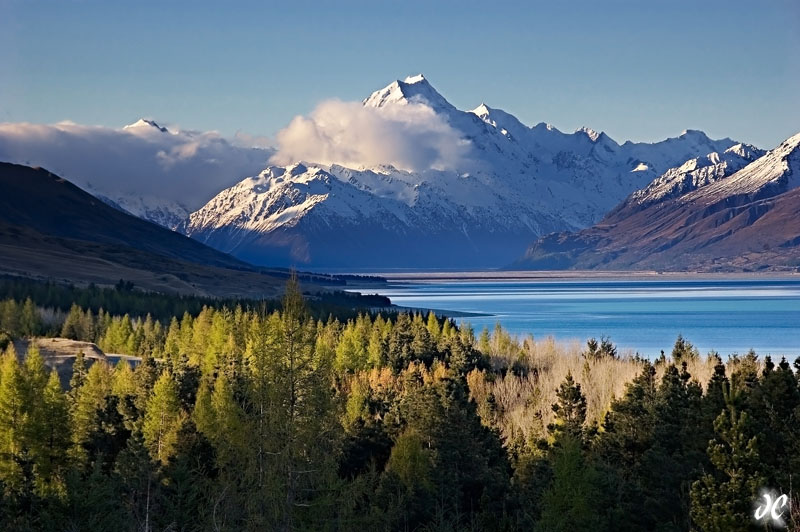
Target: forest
x=239 y=416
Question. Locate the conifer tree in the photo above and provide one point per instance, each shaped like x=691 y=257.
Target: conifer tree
x=163 y=419
x=305 y=428
x=50 y=439
x=122 y=382
x=35 y=375
x=73 y=324
x=378 y=343
x=433 y=326
x=79 y=373
x=13 y=425
x=570 y=410
x=573 y=502
x=172 y=342
x=683 y=350
x=30 y=322
x=90 y=399
x=722 y=500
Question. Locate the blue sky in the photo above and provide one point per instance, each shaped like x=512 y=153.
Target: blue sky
x=637 y=70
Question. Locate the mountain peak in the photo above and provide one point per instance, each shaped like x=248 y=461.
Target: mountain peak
x=482 y=110
x=790 y=144
x=145 y=123
x=419 y=78
x=414 y=89
x=694 y=133
x=591 y=133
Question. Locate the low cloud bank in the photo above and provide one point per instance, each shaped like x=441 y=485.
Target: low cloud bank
x=189 y=167
x=409 y=137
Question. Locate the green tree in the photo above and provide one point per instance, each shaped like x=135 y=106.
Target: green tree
x=573 y=502
x=13 y=426
x=163 y=419
x=722 y=499
x=30 y=322
x=570 y=410
x=73 y=324
x=50 y=440
x=90 y=400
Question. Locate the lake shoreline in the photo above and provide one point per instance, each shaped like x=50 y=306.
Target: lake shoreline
x=524 y=275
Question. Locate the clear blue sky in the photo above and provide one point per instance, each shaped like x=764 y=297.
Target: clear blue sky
x=640 y=70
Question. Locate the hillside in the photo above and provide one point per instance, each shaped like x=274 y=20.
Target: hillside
x=51 y=229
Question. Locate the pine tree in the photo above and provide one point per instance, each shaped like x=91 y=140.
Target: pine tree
x=722 y=500
x=677 y=453
x=90 y=400
x=305 y=427
x=378 y=343
x=163 y=419
x=30 y=322
x=35 y=375
x=122 y=382
x=50 y=440
x=573 y=501
x=570 y=410
x=683 y=350
x=13 y=425
x=79 y=374
x=351 y=351
x=172 y=341
x=73 y=324
x=774 y=407
x=433 y=327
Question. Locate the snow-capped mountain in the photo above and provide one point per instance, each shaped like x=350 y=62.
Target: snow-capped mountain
x=154 y=172
x=715 y=213
x=693 y=174
x=164 y=212
x=509 y=184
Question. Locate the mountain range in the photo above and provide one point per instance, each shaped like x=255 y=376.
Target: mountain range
x=712 y=214
x=410 y=181
x=509 y=185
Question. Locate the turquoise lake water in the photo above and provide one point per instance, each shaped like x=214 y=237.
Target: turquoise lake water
x=729 y=316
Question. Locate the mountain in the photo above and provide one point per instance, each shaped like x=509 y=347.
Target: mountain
x=712 y=214
x=51 y=229
x=161 y=211
x=506 y=185
x=146 y=169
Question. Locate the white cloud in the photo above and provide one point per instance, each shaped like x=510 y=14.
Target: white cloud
x=409 y=137
x=184 y=166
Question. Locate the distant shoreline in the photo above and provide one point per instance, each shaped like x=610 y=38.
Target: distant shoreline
x=496 y=275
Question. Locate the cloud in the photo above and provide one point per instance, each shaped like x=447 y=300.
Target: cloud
x=189 y=167
x=409 y=137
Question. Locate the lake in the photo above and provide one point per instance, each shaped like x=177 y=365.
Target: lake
x=637 y=314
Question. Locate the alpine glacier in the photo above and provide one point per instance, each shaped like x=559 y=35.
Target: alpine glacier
x=510 y=184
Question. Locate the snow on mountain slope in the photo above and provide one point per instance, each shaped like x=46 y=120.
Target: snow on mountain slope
x=307 y=214
x=510 y=184
x=778 y=170
x=720 y=213
x=693 y=174
x=161 y=211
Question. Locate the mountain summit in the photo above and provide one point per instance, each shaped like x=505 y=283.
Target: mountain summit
x=413 y=89
x=145 y=124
